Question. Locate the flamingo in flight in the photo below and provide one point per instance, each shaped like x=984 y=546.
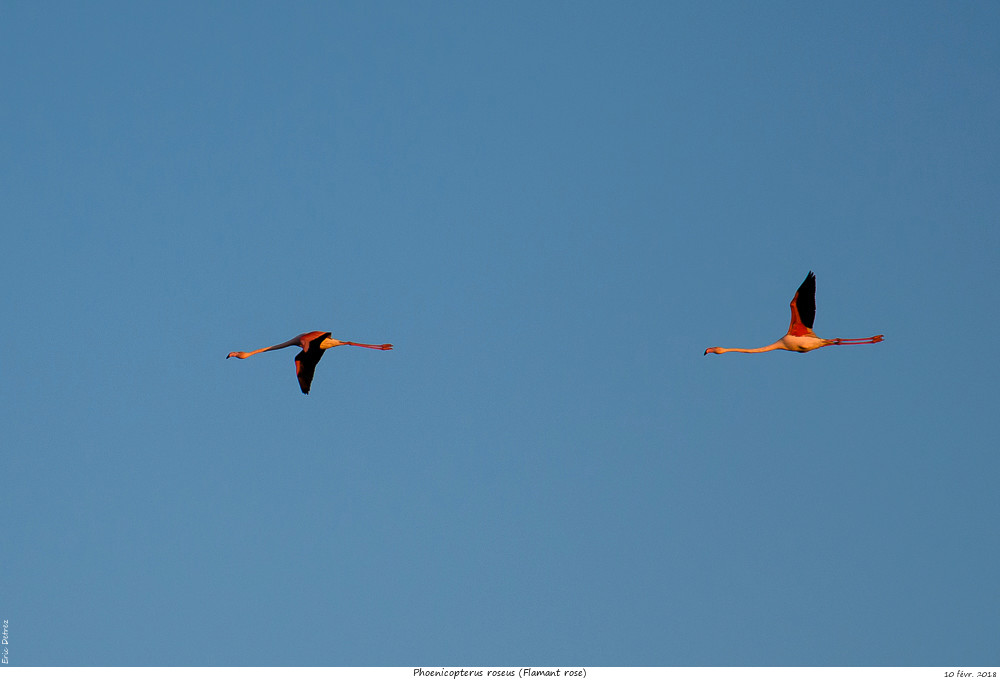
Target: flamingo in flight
x=313 y=345
x=800 y=336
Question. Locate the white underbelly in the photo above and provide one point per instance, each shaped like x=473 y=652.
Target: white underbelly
x=802 y=343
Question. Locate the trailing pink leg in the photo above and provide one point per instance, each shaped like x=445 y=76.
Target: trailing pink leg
x=858 y=341
x=360 y=344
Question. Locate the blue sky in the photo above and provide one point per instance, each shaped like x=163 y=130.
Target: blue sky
x=550 y=209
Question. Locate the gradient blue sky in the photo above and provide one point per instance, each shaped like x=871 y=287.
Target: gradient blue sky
x=551 y=209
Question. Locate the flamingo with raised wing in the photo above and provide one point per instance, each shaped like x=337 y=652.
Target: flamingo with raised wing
x=800 y=336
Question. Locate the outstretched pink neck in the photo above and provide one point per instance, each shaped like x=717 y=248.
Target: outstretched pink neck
x=772 y=346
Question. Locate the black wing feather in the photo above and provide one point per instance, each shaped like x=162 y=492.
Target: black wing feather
x=306 y=360
x=805 y=301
